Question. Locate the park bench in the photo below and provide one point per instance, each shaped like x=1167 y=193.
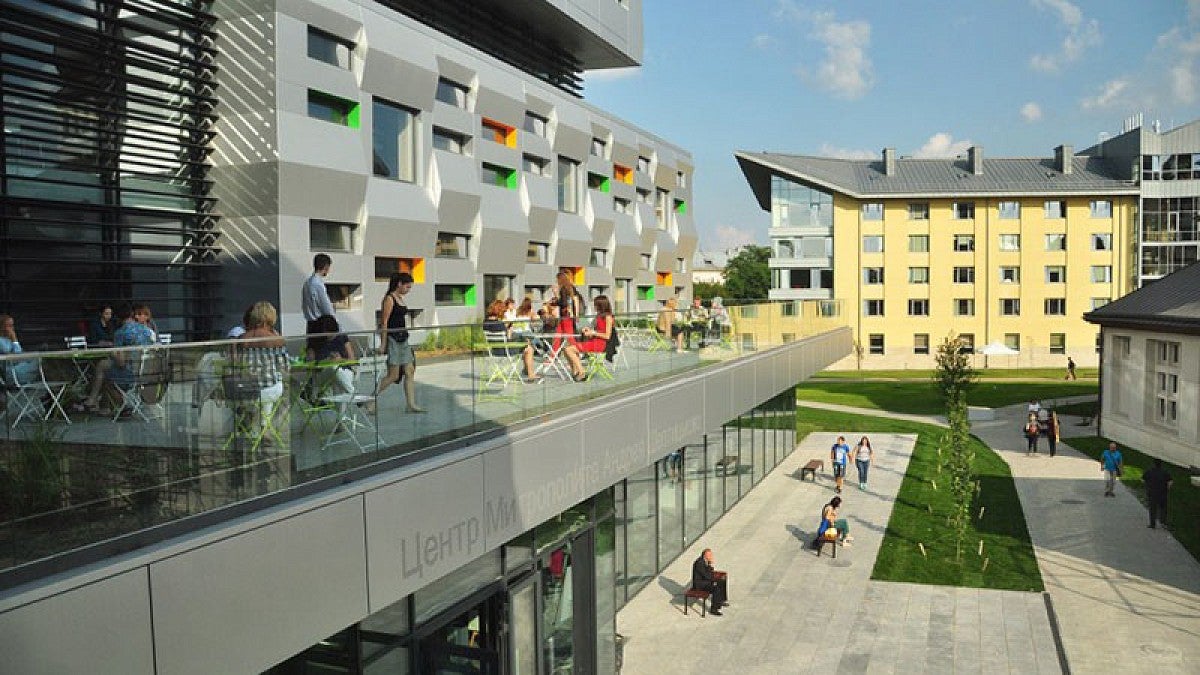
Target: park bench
x=822 y=541
x=695 y=594
x=811 y=468
x=726 y=465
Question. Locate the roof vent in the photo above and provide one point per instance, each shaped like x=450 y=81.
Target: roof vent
x=975 y=159
x=889 y=161
x=1064 y=158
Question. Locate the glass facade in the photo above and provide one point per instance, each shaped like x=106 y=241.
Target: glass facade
x=1170 y=235
x=796 y=205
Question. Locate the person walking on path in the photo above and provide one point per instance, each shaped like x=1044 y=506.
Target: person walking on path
x=1032 y=431
x=862 y=459
x=706 y=578
x=393 y=328
x=1035 y=408
x=314 y=297
x=1158 y=483
x=838 y=455
x=1052 y=432
x=1070 y=369
x=1111 y=463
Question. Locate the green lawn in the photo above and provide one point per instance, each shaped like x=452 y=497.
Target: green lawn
x=919 y=514
x=1086 y=409
x=921 y=396
x=985 y=374
x=1183 y=502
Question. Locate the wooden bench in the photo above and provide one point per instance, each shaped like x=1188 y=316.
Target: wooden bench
x=821 y=542
x=811 y=468
x=726 y=465
x=695 y=594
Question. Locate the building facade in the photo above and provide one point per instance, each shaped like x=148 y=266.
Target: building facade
x=1003 y=250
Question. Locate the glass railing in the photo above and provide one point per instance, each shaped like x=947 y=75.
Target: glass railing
x=183 y=429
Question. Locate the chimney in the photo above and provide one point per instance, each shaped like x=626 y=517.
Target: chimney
x=975 y=159
x=889 y=161
x=1064 y=158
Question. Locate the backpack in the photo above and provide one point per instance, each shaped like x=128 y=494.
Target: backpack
x=610 y=347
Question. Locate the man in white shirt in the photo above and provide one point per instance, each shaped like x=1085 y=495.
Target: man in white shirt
x=314 y=298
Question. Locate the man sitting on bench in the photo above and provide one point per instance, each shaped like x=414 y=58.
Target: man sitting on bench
x=705 y=578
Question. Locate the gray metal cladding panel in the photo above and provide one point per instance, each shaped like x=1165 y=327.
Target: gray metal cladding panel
x=493 y=104
x=455 y=70
x=742 y=390
x=457 y=119
x=315 y=192
x=500 y=251
x=533 y=479
x=457 y=211
x=543 y=202
x=602 y=232
x=500 y=209
x=103 y=627
x=615 y=442
x=535 y=145
x=571 y=138
x=398 y=80
x=718 y=394
x=677 y=418
x=487 y=150
x=543 y=222
x=245 y=603
x=423 y=527
x=455 y=173
x=400 y=201
x=328 y=20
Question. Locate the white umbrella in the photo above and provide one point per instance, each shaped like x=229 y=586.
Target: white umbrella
x=998 y=349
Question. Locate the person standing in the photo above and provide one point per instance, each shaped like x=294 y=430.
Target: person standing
x=706 y=578
x=862 y=459
x=1158 y=484
x=401 y=360
x=838 y=455
x=314 y=297
x=1032 y=431
x=1070 y=368
x=1035 y=408
x=1111 y=463
x=1052 y=432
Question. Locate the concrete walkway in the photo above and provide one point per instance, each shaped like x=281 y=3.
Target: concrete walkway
x=793 y=612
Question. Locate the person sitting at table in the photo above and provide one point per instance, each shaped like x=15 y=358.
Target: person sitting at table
x=595 y=339
x=494 y=323
x=697 y=321
x=117 y=370
x=522 y=324
x=667 y=326
x=510 y=309
x=102 y=328
x=24 y=371
x=328 y=344
x=262 y=355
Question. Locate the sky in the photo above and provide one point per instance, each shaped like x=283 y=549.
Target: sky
x=927 y=77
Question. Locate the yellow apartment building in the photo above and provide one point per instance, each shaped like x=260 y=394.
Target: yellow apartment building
x=1007 y=251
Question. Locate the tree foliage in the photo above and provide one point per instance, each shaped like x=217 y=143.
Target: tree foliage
x=706 y=290
x=747 y=276
x=953 y=377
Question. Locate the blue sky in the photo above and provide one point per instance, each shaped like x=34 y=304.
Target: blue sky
x=928 y=77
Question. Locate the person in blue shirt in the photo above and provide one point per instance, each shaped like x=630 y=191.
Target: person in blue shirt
x=839 y=454
x=1111 y=463
x=26 y=370
x=134 y=330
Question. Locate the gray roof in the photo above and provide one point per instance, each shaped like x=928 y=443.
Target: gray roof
x=1001 y=176
x=1171 y=304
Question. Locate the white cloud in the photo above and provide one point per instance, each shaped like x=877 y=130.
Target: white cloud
x=1109 y=95
x=1183 y=82
x=730 y=237
x=1031 y=111
x=942 y=144
x=830 y=150
x=846 y=70
x=762 y=41
x=1082 y=34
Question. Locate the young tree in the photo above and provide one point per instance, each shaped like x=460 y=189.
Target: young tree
x=953 y=377
x=747 y=276
x=706 y=290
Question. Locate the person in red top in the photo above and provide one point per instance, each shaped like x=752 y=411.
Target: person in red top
x=595 y=339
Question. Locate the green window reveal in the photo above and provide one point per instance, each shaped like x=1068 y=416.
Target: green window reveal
x=332 y=108
x=680 y=206
x=454 y=295
x=499 y=176
x=645 y=292
x=598 y=182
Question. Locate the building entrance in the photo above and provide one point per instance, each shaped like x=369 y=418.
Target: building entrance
x=468 y=641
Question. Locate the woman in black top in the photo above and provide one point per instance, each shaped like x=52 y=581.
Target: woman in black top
x=401 y=361
x=569 y=305
x=328 y=344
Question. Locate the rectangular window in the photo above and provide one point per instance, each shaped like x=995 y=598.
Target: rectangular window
x=454 y=295
x=918 y=307
x=921 y=343
x=1010 y=307
x=622 y=205
x=1055 y=210
x=623 y=174
x=452 y=93
x=964 y=275
x=1056 y=274
x=1056 y=242
x=872 y=211
x=394 y=141
x=449 y=141
x=535 y=165
x=1055 y=307
x=680 y=179
x=535 y=124
x=661 y=200
x=968 y=343
x=963 y=210
x=1122 y=345
x=918 y=211
x=964 y=242
x=329 y=235
x=345 y=296
x=875 y=343
x=1010 y=242
x=1101 y=241
x=1100 y=208
x=643 y=196
x=450 y=245
x=599 y=148
x=1101 y=274
x=643 y=165
x=647 y=260
x=1058 y=343
x=1012 y=341
x=799 y=278
x=1166 y=380
x=873 y=244
x=826 y=278
x=1097 y=303
x=596 y=181
x=538 y=252
x=679 y=206
x=498 y=132
x=964 y=307
x=918 y=243
x=568 y=185
x=385 y=267
x=328 y=48
x=918 y=275
x=1010 y=275
x=492 y=174
x=598 y=258
x=645 y=292
x=680 y=266
x=1010 y=210
x=872 y=307
x=330 y=108
x=872 y=275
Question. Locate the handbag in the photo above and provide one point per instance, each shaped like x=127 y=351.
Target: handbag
x=831 y=533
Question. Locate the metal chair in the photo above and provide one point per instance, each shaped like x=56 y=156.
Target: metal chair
x=502 y=362
x=31 y=396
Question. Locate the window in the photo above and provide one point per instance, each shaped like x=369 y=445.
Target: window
x=1010 y=275
x=661 y=198
x=330 y=108
x=1100 y=208
x=872 y=211
x=328 y=235
x=645 y=292
x=875 y=343
x=535 y=165
x=918 y=307
x=1058 y=343
x=622 y=205
x=968 y=343
x=1056 y=274
x=872 y=275
x=568 y=185
x=816 y=247
x=1101 y=241
x=1166 y=380
x=964 y=307
x=597 y=181
x=328 y=48
x=918 y=211
x=1097 y=303
x=535 y=124
x=1056 y=242
x=788 y=309
x=785 y=249
x=450 y=245
x=345 y=296
x=680 y=179
x=498 y=132
x=680 y=266
x=1121 y=345
x=1055 y=307
x=598 y=258
x=643 y=196
x=1010 y=210
x=1055 y=209
x=1010 y=242
x=918 y=275
x=623 y=174
x=963 y=210
x=964 y=275
x=538 y=252
x=449 y=141
x=1101 y=274
x=826 y=278
x=964 y=242
x=872 y=308
x=679 y=206
x=452 y=93
x=384 y=267
x=394 y=141
x=492 y=174
x=918 y=243
x=921 y=343
x=643 y=165
x=1010 y=307
x=647 y=260
x=873 y=244
x=1012 y=341
x=453 y=295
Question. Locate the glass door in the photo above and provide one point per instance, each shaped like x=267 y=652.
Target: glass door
x=468 y=643
x=522 y=627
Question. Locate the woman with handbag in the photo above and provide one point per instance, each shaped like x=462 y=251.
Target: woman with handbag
x=1032 y=431
x=401 y=361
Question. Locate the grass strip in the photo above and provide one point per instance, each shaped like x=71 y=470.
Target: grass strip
x=984 y=374
x=920 y=511
x=921 y=397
